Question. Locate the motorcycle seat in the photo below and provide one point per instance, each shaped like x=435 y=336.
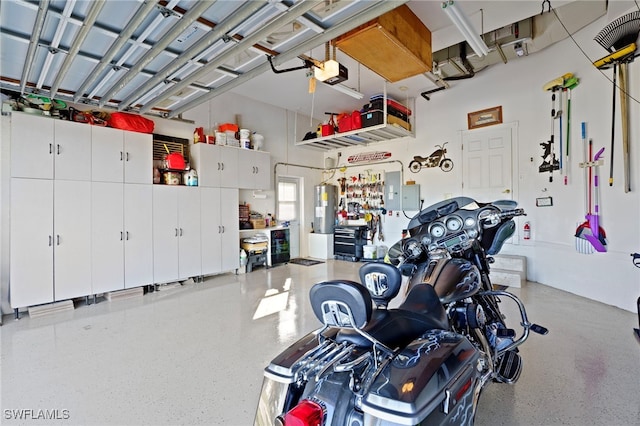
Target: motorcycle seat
x=395 y=328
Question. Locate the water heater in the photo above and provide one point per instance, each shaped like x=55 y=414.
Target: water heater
x=324 y=215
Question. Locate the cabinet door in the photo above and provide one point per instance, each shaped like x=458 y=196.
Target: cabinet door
x=138 y=158
x=72 y=150
x=138 y=235
x=72 y=251
x=107 y=156
x=107 y=237
x=31 y=265
x=190 y=264
x=211 y=230
x=230 y=229
x=206 y=160
x=246 y=170
x=229 y=167
x=32 y=146
x=165 y=233
x=262 y=164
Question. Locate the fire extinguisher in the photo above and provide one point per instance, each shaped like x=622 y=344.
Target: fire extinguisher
x=527 y=231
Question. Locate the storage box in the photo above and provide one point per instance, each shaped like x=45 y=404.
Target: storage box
x=258 y=223
x=250 y=246
x=396 y=45
x=374 y=117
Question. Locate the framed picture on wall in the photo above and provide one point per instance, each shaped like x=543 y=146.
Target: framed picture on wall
x=485 y=117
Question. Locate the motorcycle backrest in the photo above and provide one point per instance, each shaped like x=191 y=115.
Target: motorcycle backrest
x=341 y=303
x=383 y=281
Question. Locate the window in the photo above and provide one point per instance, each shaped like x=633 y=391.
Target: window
x=287 y=199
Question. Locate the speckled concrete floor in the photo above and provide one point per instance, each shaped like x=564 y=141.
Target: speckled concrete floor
x=195 y=354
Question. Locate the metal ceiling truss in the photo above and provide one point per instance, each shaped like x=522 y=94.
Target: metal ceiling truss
x=163 y=57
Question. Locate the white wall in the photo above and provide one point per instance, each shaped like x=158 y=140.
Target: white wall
x=517 y=86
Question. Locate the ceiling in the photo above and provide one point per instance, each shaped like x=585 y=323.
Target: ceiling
x=166 y=57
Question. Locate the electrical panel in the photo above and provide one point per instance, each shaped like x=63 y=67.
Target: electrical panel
x=411 y=197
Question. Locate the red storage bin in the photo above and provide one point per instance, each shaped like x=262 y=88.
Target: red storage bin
x=132 y=122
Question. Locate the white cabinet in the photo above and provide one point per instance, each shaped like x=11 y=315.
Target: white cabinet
x=220 y=234
x=176 y=233
x=72 y=252
x=253 y=169
x=138 y=235
x=44 y=148
x=217 y=166
x=121 y=237
x=119 y=156
x=50 y=241
x=31 y=266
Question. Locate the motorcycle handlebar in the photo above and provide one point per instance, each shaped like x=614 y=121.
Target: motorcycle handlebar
x=508 y=214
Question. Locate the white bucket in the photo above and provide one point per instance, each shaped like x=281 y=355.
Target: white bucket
x=370 y=251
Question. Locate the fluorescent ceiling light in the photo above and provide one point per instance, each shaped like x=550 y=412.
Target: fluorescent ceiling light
x=461 y=22
x=347 y=90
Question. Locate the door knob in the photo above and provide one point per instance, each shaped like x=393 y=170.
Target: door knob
x=506 y=191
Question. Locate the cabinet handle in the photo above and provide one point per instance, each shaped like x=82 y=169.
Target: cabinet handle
x=50 y=148
x=256 y=170
x=121 y=235
x=222 y=166
x=218 y=165
x=58 y=239
x=176 y=232
x=181 y=232
x=120 y=155
x=127 y=235
x=58 y=149
x=223 y=229
x=127 y=156
x=50 y=240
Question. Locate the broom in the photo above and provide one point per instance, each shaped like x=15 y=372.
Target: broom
x=582 y=244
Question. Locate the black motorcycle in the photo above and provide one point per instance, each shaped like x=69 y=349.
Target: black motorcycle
x=424 y=362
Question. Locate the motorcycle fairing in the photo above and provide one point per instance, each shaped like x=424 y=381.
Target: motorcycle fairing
x=504 y=232
x=431 y=381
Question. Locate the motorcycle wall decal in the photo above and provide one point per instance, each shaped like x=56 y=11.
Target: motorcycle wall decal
x=424 y=362
x=437 y=159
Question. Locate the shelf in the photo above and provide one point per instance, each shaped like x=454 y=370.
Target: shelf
x=364 y=136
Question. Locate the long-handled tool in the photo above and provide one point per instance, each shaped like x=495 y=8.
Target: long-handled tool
x=613 y=124
x=624 y=112
x=582 y=244
x=554 y=86
x=619 y=38
x=596 y=237
x=569 y=85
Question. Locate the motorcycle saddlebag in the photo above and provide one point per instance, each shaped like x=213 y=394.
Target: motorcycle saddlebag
x=430 y=382
x=132 y=122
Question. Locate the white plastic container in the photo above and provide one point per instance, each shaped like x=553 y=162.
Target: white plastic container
x=370 y=251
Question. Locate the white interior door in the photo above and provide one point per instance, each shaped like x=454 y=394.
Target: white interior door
x=487 y=168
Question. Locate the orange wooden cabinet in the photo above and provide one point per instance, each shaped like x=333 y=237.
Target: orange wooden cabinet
x=395 y=45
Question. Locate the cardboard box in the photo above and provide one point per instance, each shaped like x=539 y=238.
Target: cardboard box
x=258 y=223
